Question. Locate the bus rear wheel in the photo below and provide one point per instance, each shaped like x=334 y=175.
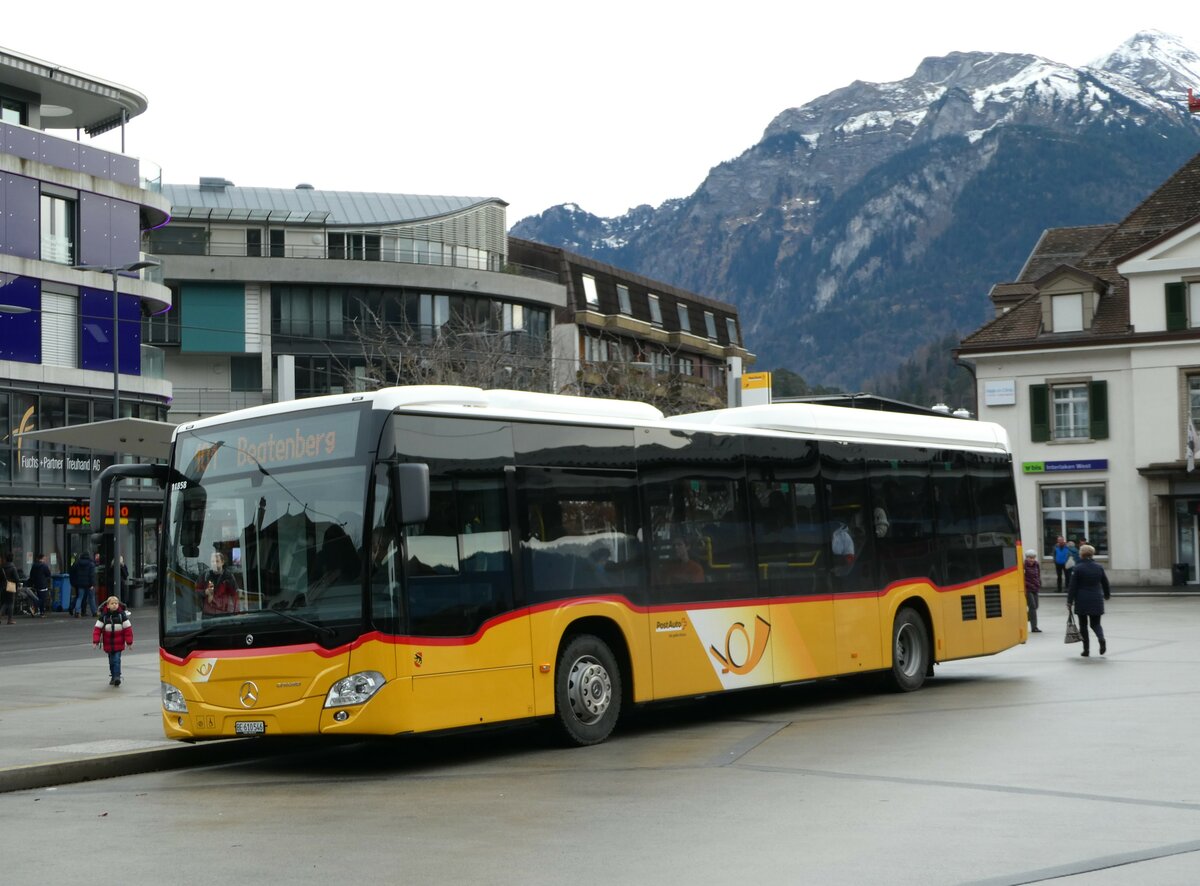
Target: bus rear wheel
x=910 y=651
x=587 y=690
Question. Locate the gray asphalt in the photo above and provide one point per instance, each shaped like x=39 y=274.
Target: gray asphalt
x=60 y=721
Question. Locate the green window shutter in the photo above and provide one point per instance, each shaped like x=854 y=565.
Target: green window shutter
x=1098 y=410
x=1176 y=306
x=1039 y=413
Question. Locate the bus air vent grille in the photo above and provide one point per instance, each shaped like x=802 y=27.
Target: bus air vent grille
x=991 y=601
x=968 y=607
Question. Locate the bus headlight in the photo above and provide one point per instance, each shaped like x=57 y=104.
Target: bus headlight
x=172 y=699
x=355 y=689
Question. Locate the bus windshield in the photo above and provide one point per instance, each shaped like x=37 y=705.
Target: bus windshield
x=265 y=531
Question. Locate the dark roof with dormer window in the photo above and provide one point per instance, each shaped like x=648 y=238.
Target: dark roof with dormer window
x=1093 y=251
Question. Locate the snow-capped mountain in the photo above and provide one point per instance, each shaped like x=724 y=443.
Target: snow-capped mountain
x=876 y=218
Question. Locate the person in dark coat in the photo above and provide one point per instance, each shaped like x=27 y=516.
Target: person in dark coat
x=1033 y=586
x=9 y=582
x=39 y=583
x=83 y=585
x=1087 y=591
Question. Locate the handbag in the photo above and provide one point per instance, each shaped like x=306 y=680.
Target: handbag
x=1073 y=635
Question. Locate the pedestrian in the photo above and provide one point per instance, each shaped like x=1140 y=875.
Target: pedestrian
x=1033 y=584
x=9 y=582
x=1087 y=590
x=1061 y=554
x=114 y=634
x=39 y=583
x=83 y=585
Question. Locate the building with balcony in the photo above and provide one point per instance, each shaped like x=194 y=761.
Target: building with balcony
x=627 y=336
x=283 y=293
x=1092 y=364
x=70 y=216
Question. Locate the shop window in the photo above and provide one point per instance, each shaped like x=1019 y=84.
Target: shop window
x=1078 y=512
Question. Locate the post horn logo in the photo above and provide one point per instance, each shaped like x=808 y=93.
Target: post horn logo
x=757 y=646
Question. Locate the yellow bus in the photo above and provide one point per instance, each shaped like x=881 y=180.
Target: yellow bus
x=419 y=559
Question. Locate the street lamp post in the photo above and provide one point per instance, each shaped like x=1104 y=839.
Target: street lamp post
x=115 y=272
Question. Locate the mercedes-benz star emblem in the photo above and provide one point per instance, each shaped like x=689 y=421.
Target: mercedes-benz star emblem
x=248 y=694
x=249 y=639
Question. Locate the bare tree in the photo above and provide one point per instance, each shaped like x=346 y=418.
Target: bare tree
x=458 y=352
x=669 y=389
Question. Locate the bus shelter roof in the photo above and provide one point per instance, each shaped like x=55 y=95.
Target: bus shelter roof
x=128 y=436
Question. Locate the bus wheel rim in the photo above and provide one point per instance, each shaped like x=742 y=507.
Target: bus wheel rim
x=907 y=644
x=589 y=689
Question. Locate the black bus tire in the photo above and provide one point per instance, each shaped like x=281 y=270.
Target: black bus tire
x=910 y=651
x=587 y=690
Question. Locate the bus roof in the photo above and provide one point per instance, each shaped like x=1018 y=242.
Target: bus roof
x=807 y=419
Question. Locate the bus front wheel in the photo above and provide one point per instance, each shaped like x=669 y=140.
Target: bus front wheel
x=587 y=690
x=910 y=651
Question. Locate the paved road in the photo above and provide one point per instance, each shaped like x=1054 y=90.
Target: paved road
x=1031 y=765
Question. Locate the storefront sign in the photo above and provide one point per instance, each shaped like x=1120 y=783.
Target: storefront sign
x=1059 y=467
x=1000 y=393
x=81 y=515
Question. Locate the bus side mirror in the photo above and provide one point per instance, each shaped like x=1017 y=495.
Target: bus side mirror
x=412 y=488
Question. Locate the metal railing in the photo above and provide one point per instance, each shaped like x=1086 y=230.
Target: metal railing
x=450 y=258
x=204 y=401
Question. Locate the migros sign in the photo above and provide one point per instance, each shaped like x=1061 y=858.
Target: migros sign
x=81 y=515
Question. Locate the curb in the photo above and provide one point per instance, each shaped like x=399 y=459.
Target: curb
x=45 y=775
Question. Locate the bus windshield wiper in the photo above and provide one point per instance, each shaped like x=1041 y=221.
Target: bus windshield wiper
x=322 y=629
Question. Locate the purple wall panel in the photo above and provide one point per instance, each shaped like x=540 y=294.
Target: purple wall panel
x=94 y=162
x=95 y=240
x=125 y=232
x=21 y=142
x=124 y=169
x=22 y=236
x=131 y=335
x=60 y=152
x=21 y=334
x=95 y=331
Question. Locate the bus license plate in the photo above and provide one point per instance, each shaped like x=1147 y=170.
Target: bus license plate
x=249 y=727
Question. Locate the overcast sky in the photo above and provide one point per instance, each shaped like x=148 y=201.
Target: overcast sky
x=607 y=105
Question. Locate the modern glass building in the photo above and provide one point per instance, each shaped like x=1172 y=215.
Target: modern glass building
x=275 y=290
x=71 y=216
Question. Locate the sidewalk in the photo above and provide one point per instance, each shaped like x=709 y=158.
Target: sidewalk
x=60 y=722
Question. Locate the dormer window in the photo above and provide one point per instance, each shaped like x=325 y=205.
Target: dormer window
x=589 y=291
x=1067 y=312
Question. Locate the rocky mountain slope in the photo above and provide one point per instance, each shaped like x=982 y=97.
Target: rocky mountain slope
x=874 y=219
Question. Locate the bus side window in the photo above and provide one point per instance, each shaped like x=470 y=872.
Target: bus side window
x=386 y=600
x=849 y=516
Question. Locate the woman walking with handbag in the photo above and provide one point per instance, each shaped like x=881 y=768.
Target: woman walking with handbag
x=1086 y=591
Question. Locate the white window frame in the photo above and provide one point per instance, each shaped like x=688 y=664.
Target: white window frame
x=685 y=318
x=590 y=295
x=1070 y=411
x=623 y=301
x=710 y=325
x=731 y=329
x=1066 y=312
x=655 y=309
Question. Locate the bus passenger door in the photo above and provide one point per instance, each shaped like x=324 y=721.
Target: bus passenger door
x=852 y=559
x=470 y=658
